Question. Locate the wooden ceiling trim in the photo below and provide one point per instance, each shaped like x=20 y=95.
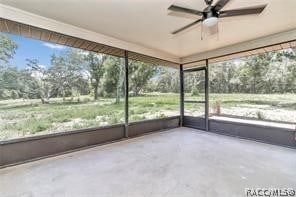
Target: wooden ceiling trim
x=276 y=47
x=6 y=26
x=12 y=27
x=119 y=53
x=107 y=50
x=111 y=51
x=63 y=39
x=45 y=35
x=58 y=38
x=150 y=60
x=293 y=44
x=25 y=31
x=85 y=45
x=3 y=26
x=71 y=41
x=92 y=46
x=285 y=45
x=103 y=49
x=260 y=51
x=98 y=48
x=268 y=49
x=54 y=37
x=35 y=33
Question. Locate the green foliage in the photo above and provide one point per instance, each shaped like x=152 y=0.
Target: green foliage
x=67 y=73
x=113 y=80
x=74 y=75
x=7 y=49
x=7 y=74
x=272 y=72
x=194 y=80
x=167 y=81
x=194 y=91
x=139 y=75
x=25 y=117
x=95 y=66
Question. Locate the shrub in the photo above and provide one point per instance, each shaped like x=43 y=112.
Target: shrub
x=113 y=119
x=86 y=100
x=194 y=91
x=260 y=115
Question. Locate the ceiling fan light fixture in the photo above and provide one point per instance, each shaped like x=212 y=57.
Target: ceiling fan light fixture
x=209 y=16
x=209 y=22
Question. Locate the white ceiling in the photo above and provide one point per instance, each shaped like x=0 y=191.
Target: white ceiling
x=147 y=22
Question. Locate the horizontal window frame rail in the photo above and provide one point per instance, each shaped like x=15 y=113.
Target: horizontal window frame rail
x=268 y=137
x=13 y=152
x=253 y=124
x=63 y=133
x=250 y=118
x=153 y=120
x=195 y=69
x=202 y=102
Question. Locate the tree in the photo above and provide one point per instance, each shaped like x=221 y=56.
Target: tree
x=113 y=77
x=7 y=74
x=7 y=49
x=95 y=67
x=66 y=72
x=288 y=57
x=166 y=81
x=40 y=80
x=257 y=67
x=139 y=75
x=243 y=79
x=9 y=83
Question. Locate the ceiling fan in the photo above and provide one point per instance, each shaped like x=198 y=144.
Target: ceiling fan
x=211 y=14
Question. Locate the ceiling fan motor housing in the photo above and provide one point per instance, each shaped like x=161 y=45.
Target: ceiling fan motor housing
x=210 y=12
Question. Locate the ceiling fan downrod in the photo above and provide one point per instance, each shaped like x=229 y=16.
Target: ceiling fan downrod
x=209 y=2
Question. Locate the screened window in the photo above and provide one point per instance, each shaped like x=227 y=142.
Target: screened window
x=47 y=88
x=260 y=87
x=153 y=91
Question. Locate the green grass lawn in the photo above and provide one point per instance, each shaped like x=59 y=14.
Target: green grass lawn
x=20 y=117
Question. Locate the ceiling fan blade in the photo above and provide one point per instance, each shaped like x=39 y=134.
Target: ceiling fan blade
x=220 y=4
x=186 y=27
x=243 y=11
x=184 y=10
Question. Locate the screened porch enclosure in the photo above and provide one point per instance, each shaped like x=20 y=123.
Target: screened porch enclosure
x=209 y=95
x=104 y=98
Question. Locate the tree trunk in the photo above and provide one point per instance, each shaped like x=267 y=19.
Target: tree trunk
x=117 y=95
x=44 y=100
x=96 y=91
x=137 y=91
x=254 y=85
x=63 y=94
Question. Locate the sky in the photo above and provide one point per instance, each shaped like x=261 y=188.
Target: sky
x=33 y=49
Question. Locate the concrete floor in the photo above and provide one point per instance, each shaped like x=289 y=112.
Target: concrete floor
x=178 y=162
